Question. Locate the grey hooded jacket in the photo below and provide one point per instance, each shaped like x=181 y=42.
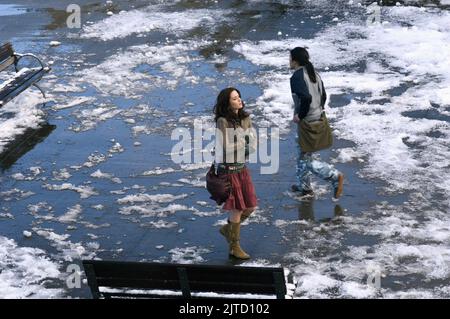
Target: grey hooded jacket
x=309 y=98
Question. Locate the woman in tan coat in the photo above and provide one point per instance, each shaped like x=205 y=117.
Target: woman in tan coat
x=235 y=140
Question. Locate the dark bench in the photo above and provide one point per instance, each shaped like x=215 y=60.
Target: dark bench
x=162 y=280
x=23 y=78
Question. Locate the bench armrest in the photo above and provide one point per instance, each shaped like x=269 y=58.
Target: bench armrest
x=20 y=56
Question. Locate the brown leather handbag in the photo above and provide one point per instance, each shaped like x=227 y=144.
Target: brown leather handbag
x=315 y=136
x=218 y=185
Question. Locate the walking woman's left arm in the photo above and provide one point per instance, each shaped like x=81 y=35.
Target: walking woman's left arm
x=324 y=95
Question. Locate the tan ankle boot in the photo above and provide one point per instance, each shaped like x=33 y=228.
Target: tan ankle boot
x=225 y=231
x=235 y=248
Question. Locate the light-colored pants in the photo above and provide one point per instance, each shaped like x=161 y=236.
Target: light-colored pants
x=310 y=163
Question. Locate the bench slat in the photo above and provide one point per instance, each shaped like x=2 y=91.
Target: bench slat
x=128 y=295
x=185 y=278
x=223 y=275
x=6 y=63
x=105 y=267
x=143 y=296
x=6 y=51
x=20 y=83
x=195 y=272
x=194 y=286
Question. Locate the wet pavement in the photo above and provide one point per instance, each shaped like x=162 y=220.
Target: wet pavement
x=87 y=183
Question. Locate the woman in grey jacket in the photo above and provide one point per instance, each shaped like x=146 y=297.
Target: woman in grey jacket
x=309 y=97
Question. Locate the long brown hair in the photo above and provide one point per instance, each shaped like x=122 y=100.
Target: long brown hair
x=222 y=107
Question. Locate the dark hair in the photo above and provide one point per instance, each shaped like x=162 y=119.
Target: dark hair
x=222 y=107
x=301 y=56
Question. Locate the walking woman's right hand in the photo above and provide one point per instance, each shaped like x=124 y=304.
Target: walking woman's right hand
x=296 y=119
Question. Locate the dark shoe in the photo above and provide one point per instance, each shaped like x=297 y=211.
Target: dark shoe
x=305 y=193
x=308 y=193
x=339 y=187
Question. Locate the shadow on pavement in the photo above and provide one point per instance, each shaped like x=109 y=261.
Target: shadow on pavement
x=23 y=144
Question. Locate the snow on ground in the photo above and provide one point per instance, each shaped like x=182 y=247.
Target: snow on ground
x=159 y=198
x=25 y=271
x=19 y=115
x=84 y=191
x=94 y=159
x=188 y=255
x=151 y=19
x=159 y=171
x=89 y=118
x=61 y=174
x=154 y=210
x=68 y=251
x=348 y=154
x=34 y=172
x=184 y=168
x=124 y=74
x=71 y=215
x=196 y=182
x=15 y=194
x=75 y=102
x=144 y=206
x=37 y=210
x=99 y=174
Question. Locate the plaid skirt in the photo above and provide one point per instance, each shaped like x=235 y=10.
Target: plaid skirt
x=243 y=193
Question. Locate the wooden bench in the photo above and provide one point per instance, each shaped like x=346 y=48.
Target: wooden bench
x=23 y=78
x=118 y=279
